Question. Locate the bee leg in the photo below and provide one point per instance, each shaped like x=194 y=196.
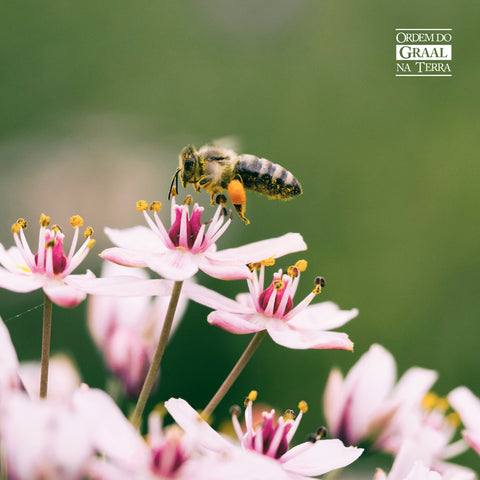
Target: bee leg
x=238 y=197
x=196 y=187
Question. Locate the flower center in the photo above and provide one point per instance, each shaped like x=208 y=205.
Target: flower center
x=274 y=442
x=168 y=455
x=53 y=241
x=277 y=288
x=192 y=225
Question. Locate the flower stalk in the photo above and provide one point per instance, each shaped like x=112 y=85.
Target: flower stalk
x=233 y=375
x=136 y=418
x=46 y=336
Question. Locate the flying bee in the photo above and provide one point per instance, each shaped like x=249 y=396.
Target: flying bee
x=215 y=169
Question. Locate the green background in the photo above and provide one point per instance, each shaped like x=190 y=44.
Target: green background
x=98 y=98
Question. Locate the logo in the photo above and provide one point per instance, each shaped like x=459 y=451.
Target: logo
x=423 y=52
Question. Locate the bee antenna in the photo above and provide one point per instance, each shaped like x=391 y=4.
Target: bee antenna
x=174 y=179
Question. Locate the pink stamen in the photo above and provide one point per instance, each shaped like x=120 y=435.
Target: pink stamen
x=182 y=239
x=73 y=246
x=286 y=302
x=271 y=302
x=220 y=232
x=22 y=251
x=40 y=260
x=237 y=428
x=197 y=246
x=259 y=440
x=161 y=231
x=49 y=262
x=300 y=307
x=294 y=427
x=277 y=438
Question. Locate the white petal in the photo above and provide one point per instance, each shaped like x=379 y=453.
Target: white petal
x=325 y=315
x=138 y=238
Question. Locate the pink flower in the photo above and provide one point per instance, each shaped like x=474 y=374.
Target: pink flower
x=301 y=327
x=9 y=378
x=43 y=439
x=189 y=245
x=269 y=440
x=368 y=404
x=127 y=330
x=50 y=268
x=468 y=407
x=413 y=463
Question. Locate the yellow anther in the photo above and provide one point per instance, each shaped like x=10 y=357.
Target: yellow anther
x=317 y=289
x=293 y=271
x=22 y=222
x=76 y=221
x=50 y=244
x=442 y=405
x=57 y=228
x=142 y=205
x=44 y=220
x=453 y=419
x=251 y=266
x=289 y=415
x=88 y=232
x=91 y=243
x=268 y=262
x=16 y=227
x=301 y=265
x=155 y=206
x=302 y=406
x=188 y=200
x=429 y=401
x=278 y=284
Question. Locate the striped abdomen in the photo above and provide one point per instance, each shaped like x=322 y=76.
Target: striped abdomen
x=265 y=177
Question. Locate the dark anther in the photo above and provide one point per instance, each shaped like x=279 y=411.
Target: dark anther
x=235 y=410
x=322 y=432
x=311 y=438
x=320 y=281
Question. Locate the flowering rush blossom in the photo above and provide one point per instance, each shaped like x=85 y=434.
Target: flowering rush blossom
x=468 y=407
x=127 y=330
x=300 y=327
x=50 y=268
x=368 y=404
x=411 y=463
x=268 y=440
x=189 y=245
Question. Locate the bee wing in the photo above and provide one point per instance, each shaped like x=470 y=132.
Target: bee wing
x=230 y=142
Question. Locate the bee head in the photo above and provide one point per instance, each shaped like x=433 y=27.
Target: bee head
x=189 y=162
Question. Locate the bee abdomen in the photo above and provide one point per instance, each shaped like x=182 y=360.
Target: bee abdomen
x=266 y=177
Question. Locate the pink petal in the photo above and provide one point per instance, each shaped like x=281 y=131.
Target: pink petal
x=245 y=299
x=325 y=316
x=224 y=270
x=8 y=362
x=320 y=457
x=380 y=475
x=18 y=282
x=121 y=286
x=190 y=421
x=175 y=264
x=413 y=385
x=473 y=439
x=468 y=407
x=333 y=402
x=112 y=434
x=291 y=337
x=237 y=322
x=12 y=259
x=129 y=258
x=136 y=238
x=215 y=300
x=258 y=251
x=62 y=294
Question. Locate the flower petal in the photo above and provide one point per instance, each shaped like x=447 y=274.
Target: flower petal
x=302 y=339
x=468 y=407
x=333 y=402
x=122 y=256
x=62 y=294
x=473 y=439
x=215 y=300
x=8 y=362
x=237 y=322
x=175 y=264
x=12 y=259
x=325 y=315
x=121 y=286
x=138 y=238
x=190 y=421
x=224 y=270
x=18 y=282
x=112 y=433
x=258 y=251
x=320 y=457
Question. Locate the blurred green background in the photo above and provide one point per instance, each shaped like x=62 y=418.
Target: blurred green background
x=98 y=98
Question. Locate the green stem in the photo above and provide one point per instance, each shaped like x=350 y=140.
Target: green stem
x=233 y=375
x=47 y=333
x=136 y=418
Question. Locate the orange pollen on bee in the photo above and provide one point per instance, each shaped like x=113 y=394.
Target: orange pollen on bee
x=236 y=192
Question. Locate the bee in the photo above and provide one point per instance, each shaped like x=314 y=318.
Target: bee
x=215 y=169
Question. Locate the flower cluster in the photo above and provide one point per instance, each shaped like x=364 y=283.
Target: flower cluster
x=69 y=431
